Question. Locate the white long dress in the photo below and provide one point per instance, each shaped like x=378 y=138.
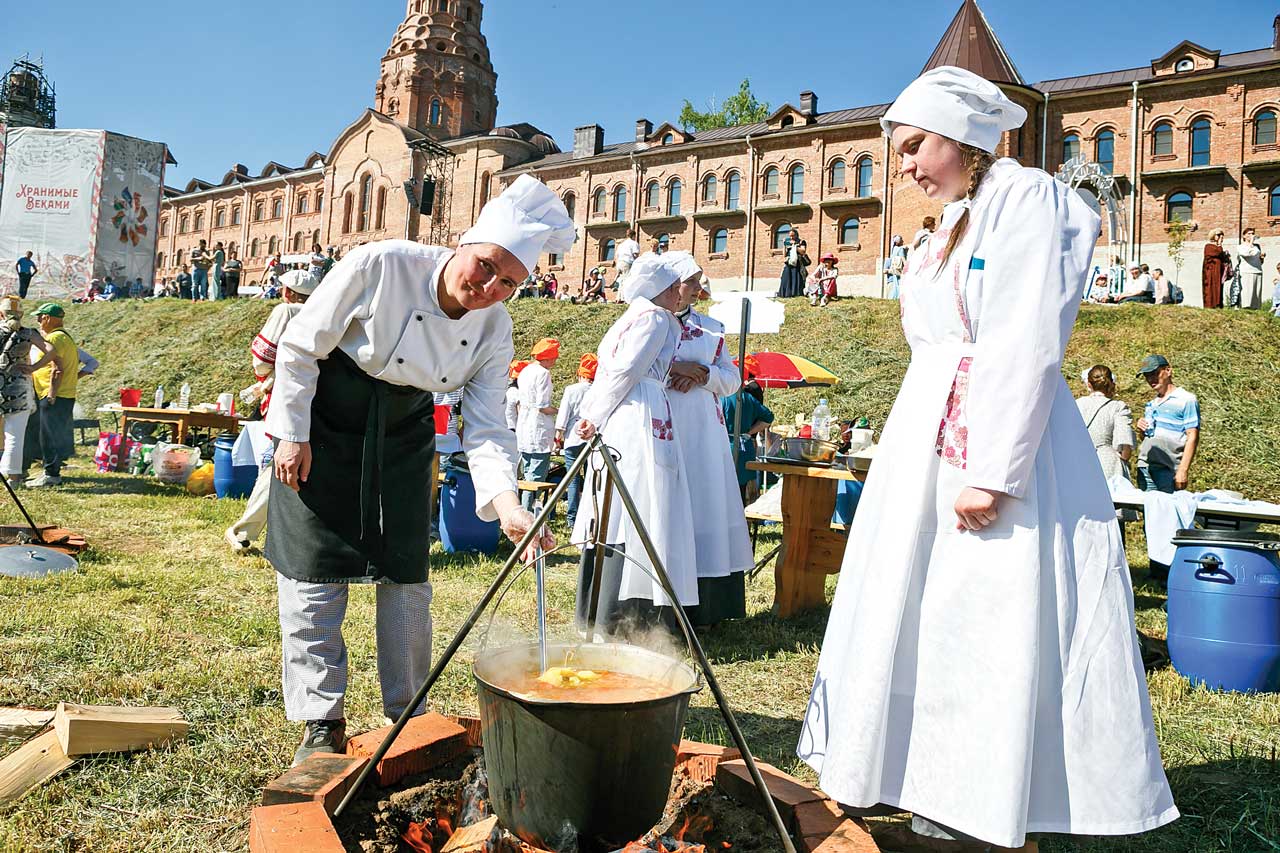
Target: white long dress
x=722 y=541
x=991 y=681
x=628 y=404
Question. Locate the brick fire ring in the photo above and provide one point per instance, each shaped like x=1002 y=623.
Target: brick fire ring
x=297 y=807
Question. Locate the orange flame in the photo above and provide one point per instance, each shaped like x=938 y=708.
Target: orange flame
x=418 y=837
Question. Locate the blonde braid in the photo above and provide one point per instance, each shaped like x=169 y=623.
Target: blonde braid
x=977 y=163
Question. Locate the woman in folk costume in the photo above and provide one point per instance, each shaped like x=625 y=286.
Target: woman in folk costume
x=352 y=412
x=980 y=667
x=701 y=374
x=628 y=405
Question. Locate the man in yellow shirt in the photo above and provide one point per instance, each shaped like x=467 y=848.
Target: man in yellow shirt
x=55 y=386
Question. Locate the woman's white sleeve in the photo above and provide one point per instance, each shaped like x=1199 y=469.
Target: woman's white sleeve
x=490 y=446
x=637 y=348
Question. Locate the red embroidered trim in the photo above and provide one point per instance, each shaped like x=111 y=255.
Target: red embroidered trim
x=264 y=349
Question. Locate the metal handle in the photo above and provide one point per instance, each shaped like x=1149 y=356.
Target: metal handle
x=1211 y=570
x=539 y=574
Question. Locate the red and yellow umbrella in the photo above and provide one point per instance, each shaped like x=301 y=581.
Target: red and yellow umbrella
x=782 y=370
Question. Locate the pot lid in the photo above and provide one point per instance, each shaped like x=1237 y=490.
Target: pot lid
x=34 y=561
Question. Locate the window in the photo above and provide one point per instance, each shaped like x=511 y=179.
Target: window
x=606 y=250
x=178 y=259
x=1162 y=138
x=664 y=243
x=795 y=184
x=198 y=220
x=771 y=181
x=835 y=175
x=1106 y=151
x=668 y=138
x=1186 y=63
x=381 y=218
x=164 y=228
x=652 y=194
x=597 y=201
x=319 y=201
x=315 y=237
x=366 y=203
x=620 y=204
x=1273 y=201
x=435 y=112
x=1178 y=208
x=160 y=261
x=301 y=206
x=733 y=189
x=720 y=240
x=277 y=208
x=235 y=214
x=571 y=204
x=273 y=245
x=864 y=178
x=468 y=13
x=1070 y=147
x=297 y=242
x=674 y=192
x=253 y=248
x=780 y=234
x=710 y=188
x=849 y=232
x=347 y=204
x=257 y=212
x=787 y=121
x=1264 y=128
x=484 y=188
x=182 y=224
x=220 y=217
x=442 y=6
x=1200 y=134
x=231 y=249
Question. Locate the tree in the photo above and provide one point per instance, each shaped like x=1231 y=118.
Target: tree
x=740 y=108
x=1178 y=231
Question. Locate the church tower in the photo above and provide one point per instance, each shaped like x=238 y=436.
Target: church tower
x=436 y=76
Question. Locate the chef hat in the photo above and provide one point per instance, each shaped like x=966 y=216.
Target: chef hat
x=587 y=366
x=958 y=104
x=526 y=220
x=300 y=281
x=652 y=273
x=516 y=367
x=546 y=348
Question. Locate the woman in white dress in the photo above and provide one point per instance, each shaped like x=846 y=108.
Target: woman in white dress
x=980 y=667
x=701 y=375
x=629 y=406
x=1249 y=258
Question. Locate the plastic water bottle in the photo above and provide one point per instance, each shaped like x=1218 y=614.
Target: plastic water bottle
x=159 y=396
x=821 y=421
x=184 y=396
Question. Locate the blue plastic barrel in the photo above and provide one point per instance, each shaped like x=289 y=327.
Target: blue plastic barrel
x=1224 y=609
x=230 y=481
x=460 y=529
x=847 y=496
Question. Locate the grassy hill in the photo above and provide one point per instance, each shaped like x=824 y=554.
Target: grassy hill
x=1230 y=359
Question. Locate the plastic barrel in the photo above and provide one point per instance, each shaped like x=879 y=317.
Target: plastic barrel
x=460 y=529
x=1224 y=609
x=230 y=481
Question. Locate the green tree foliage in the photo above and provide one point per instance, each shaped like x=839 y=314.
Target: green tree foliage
x=740 y=108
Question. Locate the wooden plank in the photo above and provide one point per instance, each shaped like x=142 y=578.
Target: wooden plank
x=801 y=471
x=809 y=551
x=472 y=838
x=32 y=764
x=91 y=729
x=24 y=718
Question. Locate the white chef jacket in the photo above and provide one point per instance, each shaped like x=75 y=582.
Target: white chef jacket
x=379 y=305
x=567 y=418
x=511 y=409
x=534 y=430
x=628 y=252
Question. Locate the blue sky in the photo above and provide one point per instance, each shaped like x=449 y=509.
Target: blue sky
x=236 y=81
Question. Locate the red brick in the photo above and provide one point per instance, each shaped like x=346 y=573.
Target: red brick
x=291 y=828
x=699 y=760
x=475 y=736
x=819 y=818
x=850 y=836
x=322 y=778
x=787 y=791
x=427 y=741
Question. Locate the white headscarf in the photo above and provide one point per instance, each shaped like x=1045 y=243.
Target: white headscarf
x=526 y=220
x=652 y=273
x=300 y=281
x=957 y=104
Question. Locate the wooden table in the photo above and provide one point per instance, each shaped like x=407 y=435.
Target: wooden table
x=182 y=420
x=811 y=549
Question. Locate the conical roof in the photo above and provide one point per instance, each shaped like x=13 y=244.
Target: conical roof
x=970 y=44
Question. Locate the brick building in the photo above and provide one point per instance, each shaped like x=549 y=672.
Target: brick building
x=1191 y=134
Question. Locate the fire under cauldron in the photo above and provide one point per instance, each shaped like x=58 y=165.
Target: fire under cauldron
x=600 y=770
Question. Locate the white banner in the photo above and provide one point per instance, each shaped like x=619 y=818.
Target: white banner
x=125 y=243
x=49 y=207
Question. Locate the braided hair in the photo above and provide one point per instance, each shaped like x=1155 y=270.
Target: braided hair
x=976 y=163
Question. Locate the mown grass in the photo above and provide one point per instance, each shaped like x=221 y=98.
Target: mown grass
x=160 y=613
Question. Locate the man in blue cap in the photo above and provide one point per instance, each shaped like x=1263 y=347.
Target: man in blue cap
x=1171 y=424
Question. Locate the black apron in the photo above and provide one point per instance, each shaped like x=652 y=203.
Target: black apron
x=362 y=516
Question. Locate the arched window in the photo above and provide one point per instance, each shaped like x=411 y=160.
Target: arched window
x=297 y=242
x=160 y=261
x=1186 y=63
x=435 y=112
x=366 y=203
x=732 y=191
x=620 y=204
x=720 y=240
x=771 y=181
x=1264 y=128
x=164 y=227
x=347 y=204
x=664 y=243
x=864 y=178
x=1105 y=154
x=597 y=201
x=1070 y=146
x=795 y=184
x=182 y=224
x=220 y=217
x=1162 y=138
x=1178 y=208
x=277 y=208
x=380 y=219
x=1273 y=201
x=178 y=260
x=198 y=220
x=571 y=204
x=257 y=212
x=652 y=194
x=315 y=237
x=253 y=248
x=787 y=121
x=849 y=232
x=710 y=188
x=235 y=213
x=319 y=201
x=674 y=192
x=231 y=248
x=780 y=233
x=835 y=174
x=484 y=188
x=668 y=138
x=301 y=205
x=606 y=250
x=1200 y=134
x=273 y=245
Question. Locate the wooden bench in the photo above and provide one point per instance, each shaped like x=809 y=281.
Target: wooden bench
x=754 y=519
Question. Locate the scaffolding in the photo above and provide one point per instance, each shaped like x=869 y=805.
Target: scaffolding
x=27 y=98
x=431 y=188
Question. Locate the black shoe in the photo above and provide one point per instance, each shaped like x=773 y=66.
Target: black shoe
x=321 y=736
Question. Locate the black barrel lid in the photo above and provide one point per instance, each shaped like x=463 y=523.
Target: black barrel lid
x=1242 y=538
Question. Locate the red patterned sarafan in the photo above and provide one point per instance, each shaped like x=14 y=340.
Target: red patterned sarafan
x=953 y=433
x=130 y=217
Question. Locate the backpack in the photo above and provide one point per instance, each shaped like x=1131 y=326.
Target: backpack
x=1175 y=293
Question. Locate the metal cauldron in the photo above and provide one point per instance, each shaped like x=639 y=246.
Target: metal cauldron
x=598 y=769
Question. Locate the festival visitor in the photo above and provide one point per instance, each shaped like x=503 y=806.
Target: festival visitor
x=1108 y=421
x=201 y=260
x=1215 y=269
x=1249 y=258
x=19 y=345
x=1138 y=288
x=823 y=281
x=511 y=404
x=567 y=429
x=895 y=264
x=1171 y=426
x=535 y=419
x=795 y=266
x=26 y=269
x=981 y=668
x=756 y=419
x=231 y=274
x=55 y=389
x=216 y=283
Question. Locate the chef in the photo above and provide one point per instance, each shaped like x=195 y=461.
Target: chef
x=980 y=667
x=536 y=416
x=352 y=410
x=628 y=405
